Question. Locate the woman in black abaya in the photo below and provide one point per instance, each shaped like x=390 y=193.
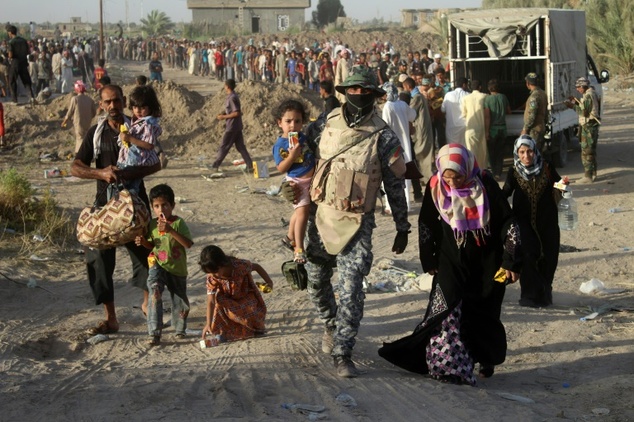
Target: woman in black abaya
x=530 y=181
x=466 y=235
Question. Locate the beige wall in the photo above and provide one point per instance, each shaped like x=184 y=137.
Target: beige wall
x=251 y=4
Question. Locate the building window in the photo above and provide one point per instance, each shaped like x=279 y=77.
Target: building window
x=415 y=19
x=283 y=22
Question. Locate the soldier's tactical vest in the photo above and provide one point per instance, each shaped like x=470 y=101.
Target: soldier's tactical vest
x=347 y=178
x=591 y=116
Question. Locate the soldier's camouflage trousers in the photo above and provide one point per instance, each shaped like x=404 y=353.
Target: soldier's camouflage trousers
x=353 y=264
x=588 y=141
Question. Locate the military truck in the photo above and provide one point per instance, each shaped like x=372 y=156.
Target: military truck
x=507 y=44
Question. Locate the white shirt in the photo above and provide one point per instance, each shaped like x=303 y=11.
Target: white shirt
x=397 y=114
x=456 y=124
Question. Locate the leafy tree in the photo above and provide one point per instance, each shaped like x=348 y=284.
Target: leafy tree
x=157 y=23
x=440 y=25
x=611 y=33
x=327 y=12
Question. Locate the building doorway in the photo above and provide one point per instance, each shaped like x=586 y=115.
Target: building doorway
x=255 y=24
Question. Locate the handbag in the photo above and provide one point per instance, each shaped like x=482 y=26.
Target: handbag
x=411 y=171
x=295 y=274
x=124 y=217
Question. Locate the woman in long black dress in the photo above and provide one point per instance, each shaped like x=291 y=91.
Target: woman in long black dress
x=530 y=181
x=466 y=234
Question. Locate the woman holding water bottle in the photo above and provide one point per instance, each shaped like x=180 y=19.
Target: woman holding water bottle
x=535 y=200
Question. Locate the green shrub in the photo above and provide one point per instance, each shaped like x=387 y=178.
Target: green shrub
x=15 y=192
x=21 y=211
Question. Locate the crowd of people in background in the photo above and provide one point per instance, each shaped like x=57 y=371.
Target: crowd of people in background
x=269 y=59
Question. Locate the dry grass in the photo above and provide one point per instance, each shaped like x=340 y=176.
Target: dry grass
x=24 y=215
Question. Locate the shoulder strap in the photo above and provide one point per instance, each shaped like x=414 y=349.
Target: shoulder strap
x=346 y=148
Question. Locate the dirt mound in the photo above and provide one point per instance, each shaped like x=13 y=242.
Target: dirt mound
x=190 y=126
x=202 y=131
x=176 y=100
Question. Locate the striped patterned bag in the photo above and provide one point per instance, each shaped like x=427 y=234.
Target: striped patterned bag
x=124 y=217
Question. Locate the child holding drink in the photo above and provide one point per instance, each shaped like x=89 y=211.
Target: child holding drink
x=293 y=157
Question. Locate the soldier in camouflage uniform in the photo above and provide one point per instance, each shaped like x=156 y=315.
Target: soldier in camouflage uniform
x=589 y=110
x=535 y=111
x=357 y=151
x=392 y=68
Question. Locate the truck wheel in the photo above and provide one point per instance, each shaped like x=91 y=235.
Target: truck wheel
x=559 y=156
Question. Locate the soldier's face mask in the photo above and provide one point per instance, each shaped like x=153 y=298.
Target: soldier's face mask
x=358 y=106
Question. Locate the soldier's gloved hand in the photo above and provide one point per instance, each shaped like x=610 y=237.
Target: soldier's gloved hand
x=400 y=242
x=288 y=191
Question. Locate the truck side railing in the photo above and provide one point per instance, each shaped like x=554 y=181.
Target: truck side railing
x=562 y=77
x=488 y=59
x=470 y=46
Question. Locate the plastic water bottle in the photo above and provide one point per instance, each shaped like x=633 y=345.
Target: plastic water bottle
x=568 y=217
x=615 y=210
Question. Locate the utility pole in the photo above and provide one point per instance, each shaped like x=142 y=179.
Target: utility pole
x=101 y=56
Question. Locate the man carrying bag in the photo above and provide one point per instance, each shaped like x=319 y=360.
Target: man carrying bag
x=100 y=145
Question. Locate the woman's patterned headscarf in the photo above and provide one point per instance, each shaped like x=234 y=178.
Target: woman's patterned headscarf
x=532 y=170
x=466 y=208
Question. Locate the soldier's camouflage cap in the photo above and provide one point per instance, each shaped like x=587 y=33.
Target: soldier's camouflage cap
x=363 y=77
x=531 y=78
x=582 y=81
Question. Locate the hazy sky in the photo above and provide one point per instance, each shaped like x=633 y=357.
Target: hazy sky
x=115 y=10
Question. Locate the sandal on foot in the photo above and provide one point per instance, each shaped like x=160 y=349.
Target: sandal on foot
x=163 y=159
x=300 y=256
x=141 y=309
x=287 y=242
x=486 y=371
x=215 y=340
x=154 y=341
x=103 y=328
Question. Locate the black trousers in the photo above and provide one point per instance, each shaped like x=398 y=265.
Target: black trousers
x=15 y=72
x=101 y=264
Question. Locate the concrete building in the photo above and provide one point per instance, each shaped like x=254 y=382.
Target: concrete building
x=74 y=28
x=424 y=19
x=249 y=16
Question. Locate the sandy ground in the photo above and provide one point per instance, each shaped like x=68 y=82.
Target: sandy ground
x=558 y=367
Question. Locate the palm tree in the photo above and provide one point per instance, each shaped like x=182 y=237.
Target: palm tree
x=157 y=23
x=440 y=26
x=611 y=33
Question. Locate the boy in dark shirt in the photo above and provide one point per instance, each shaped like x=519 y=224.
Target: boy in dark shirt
x=327 y=92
